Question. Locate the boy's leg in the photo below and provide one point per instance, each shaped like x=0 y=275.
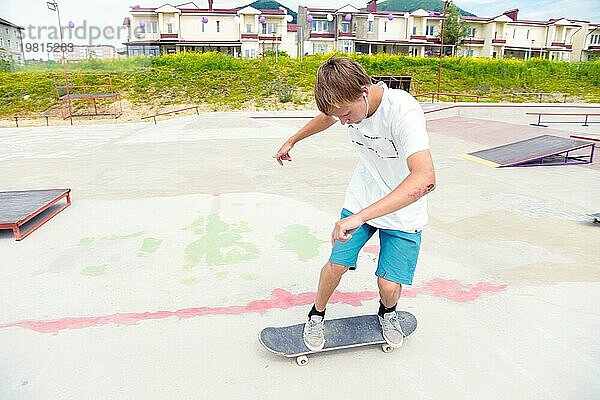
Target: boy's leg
x=389 y=292
x=329 y=279
x=343 y=257
x=397 y=262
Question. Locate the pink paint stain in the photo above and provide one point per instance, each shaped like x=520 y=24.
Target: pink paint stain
x=371 y=249
x=281 y=299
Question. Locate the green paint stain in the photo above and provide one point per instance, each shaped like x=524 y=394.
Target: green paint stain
x=149 y=246
x=94 y=270
x=297 y=238
x=190 y=281
x=248 y=276
x=221 y=276
x=223 y=301
x=86 y=241
x=219 y=244
x=123 y=237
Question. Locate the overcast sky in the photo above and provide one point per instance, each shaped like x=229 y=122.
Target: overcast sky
x=110 y=13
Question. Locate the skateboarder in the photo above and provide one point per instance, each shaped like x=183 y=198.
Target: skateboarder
x=386 y=194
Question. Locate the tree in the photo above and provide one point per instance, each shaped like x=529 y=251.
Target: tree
x=455 y=28
x=6 y=63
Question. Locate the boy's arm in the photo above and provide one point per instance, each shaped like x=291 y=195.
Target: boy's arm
x=418 y=183
x=315 y=125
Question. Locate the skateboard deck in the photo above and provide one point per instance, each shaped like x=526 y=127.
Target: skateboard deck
x=341 y=333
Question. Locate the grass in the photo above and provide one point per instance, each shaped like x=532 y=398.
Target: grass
x=226 y=83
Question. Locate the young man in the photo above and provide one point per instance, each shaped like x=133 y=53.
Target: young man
x=386 y=193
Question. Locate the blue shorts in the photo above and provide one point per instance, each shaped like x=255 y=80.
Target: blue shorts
x=397 y=257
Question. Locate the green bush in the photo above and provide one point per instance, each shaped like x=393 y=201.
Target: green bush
x=225 y=82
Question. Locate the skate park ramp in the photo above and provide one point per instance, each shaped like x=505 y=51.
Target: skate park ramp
x=540 y=150
x=20 y=207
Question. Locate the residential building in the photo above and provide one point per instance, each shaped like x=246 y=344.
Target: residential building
x=250 y=32
x=85 y=52
x=350 y=30
x=508 y=36
x=246 y=32
x=586 y=42
x=11 y=41
x=369 y=31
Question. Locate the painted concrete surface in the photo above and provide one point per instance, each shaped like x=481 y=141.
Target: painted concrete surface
x=186 y=238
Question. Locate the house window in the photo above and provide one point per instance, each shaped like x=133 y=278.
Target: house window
x=414 y=30
x=8 y=43
x=319 y=48
x=203 y=27
x=345 y=27
x=429 y=30
x=346 y=46
x=514 y=33
x=469 y=52
x=169 y=28
x=152 y=27
x=268 y=29
x=527 y=34
x=2 y=42
x=385 y=26
x=218 y=26
x=321 y=26
x=370 y=27
x=471 y=32
x=248 y=29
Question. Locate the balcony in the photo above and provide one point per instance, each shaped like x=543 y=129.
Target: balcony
x=499 y=41
x=418 y=37
x=561 y=45
x=169 y=36
x=346 y=34
x=250 y=36
x=473 y=41
x=322 y=35
x=271 y=38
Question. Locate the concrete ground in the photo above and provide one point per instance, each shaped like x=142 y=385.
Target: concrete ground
x=186 y=238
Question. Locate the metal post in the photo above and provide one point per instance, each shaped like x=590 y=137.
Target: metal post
x=439 y=78
x=63 y=58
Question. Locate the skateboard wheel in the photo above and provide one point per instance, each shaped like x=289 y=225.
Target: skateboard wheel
x=387 y=348
x=302 y=360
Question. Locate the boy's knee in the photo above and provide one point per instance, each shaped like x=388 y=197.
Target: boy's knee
x=336 y=269
x=386 y=286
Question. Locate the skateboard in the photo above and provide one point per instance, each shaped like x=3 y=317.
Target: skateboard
x=596 y=217
x=341 y=333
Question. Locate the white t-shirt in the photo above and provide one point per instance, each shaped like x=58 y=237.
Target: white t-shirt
x=384 y=141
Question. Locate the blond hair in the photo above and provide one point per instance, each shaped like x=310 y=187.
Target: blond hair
x=339 y=82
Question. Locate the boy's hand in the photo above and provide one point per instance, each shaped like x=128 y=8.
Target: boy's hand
x=284 y=153
x=344 y=228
